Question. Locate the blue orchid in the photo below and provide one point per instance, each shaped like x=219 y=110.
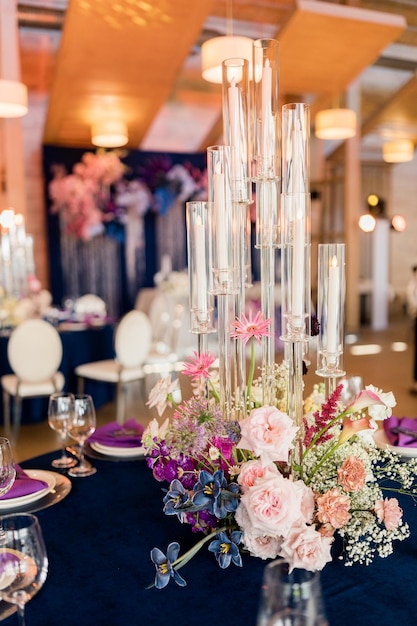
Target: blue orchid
x=226 y=549
x=164 y=566
x=212 y=492
x=175 y=499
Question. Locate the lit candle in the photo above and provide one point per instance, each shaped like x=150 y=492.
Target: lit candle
x=233 y=102
x=333 y=306
x=297 y=279
x=219 y=213
x=200 y=264
x=266 y=106
x=19 y=223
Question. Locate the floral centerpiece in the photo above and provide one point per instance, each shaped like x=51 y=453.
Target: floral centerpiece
x=235 y=482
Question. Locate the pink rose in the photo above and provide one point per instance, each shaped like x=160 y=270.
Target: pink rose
x=307 y=501
x=333 y=508
x=273 y=505
x=251 y=470
x=351 y=475
x=259 y=545
x=389 y=512
x=306 y=548
x=268 y=433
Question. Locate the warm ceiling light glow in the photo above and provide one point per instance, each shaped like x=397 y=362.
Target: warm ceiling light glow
x=335 y=124
x=13 y=98
x=398 y=223
x=109 y=134
x=398 y=151
x=363 y=350
x=367 y=223
x=399 y=346
x=216 y=50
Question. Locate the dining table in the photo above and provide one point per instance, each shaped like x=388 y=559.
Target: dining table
x=80 y=344
x=100 y=535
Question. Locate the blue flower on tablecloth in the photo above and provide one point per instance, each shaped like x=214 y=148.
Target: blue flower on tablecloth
x=226 y=549
x=164 y=566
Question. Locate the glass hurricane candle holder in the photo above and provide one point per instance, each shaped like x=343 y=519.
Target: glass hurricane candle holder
x=295 y=148
x=331 y=290
x=224 y=222
x=295 y=267
x=199 y=271
x=236 y=126
x=266 y=145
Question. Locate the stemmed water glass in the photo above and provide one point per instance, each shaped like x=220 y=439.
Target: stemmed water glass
x=7 y=466
x=82 y=425
x=23 y=560
x=60 y=411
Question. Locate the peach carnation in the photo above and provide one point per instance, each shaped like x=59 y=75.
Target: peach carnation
x=333 y=508
x=389 y=512
x=352 y=474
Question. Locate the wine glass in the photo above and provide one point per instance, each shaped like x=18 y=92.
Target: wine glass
x=60 y=410
x=81 y=426
x=23 y=561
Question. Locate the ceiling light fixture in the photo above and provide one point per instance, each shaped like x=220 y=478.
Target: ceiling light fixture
x=13 y=98
x=216 y=50
x=335 y=124
x=109 y=134
x=398 y=151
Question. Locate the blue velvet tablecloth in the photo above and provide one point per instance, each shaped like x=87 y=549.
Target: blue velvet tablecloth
x=99 y=539
x=78 y=346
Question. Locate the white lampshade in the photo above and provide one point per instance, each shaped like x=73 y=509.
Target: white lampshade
x=335 y=124
x=216 y=50
x=13 y=98
x=398 y=151
x=109 y=134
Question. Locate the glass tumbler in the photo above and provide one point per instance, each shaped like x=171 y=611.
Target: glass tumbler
x=290 y=598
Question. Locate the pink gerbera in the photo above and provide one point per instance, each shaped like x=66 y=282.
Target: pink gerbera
x=198 y=367
x=246 y=328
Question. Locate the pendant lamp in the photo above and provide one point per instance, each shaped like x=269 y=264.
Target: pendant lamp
x=13 y=98
x=335 y=124
x=398 y=151
x=216 y=50
x=109 y=134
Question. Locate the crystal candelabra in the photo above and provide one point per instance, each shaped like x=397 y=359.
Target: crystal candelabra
x=273 y=158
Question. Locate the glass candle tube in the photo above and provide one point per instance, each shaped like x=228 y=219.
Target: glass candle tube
x=199 y=271
x=330 y=309
x=266 y=146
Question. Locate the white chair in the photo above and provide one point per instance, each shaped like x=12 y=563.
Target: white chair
x=132 y=343
x=90 y=304
x=34 y=352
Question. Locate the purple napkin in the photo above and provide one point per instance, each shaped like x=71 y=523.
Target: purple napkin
x=23 y=485
x=402 y=440
x=127 y=435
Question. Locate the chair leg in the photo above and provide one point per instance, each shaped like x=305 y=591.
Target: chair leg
x=6 y=414
x=17 y=412
x=80 y=385
x=120 y=402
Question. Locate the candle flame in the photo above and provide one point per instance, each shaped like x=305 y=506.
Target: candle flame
x=333 y=262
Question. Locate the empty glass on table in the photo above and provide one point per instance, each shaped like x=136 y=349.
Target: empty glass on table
x=23 y=560
x=60 y=412
x=7 y=466
x=82 y=425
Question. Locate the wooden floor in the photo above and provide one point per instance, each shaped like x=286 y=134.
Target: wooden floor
x=390 y=368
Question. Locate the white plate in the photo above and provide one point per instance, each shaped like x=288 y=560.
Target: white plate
x=381 y=441
x=115 y=451
x=47 y=477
